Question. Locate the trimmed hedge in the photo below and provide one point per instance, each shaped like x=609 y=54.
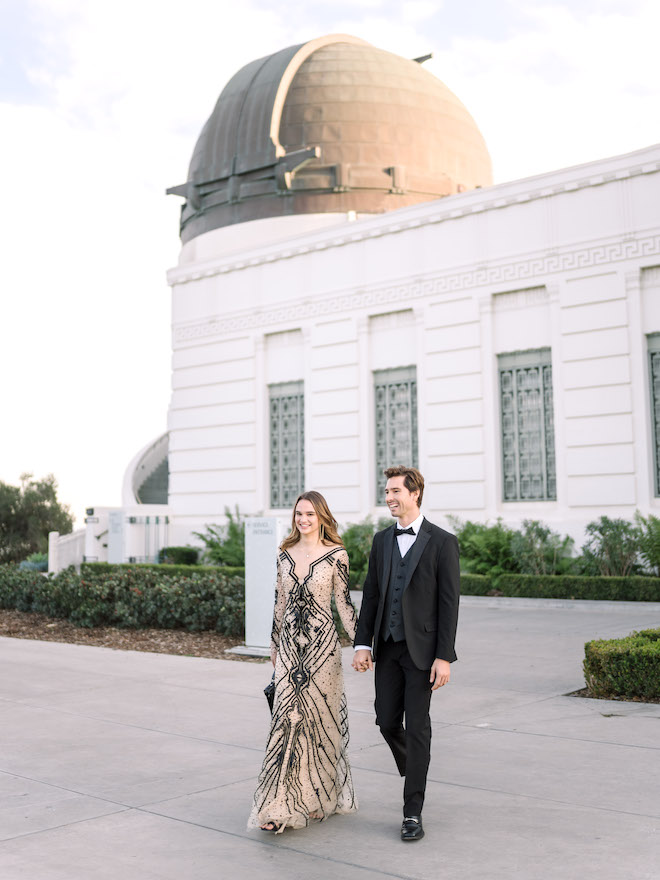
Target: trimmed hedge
x=628 y=667
x=547 y=586
x=475 y=584
x=130 y=597
x=179 y=555
x=618 y=589
x=93 y=568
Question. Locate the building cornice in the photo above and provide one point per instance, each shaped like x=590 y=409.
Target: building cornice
x=528 y=270
x=454 y=207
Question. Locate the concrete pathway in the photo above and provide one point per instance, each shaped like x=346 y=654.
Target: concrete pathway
x=130 y=766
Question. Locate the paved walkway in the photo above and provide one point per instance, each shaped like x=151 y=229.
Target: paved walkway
x=129 y=766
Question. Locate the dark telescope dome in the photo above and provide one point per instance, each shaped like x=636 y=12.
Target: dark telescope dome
x=332 y=125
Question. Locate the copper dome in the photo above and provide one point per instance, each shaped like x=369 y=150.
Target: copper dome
x=332 y=125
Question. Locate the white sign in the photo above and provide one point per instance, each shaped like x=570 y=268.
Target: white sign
x=116 y=536
x=263 y=536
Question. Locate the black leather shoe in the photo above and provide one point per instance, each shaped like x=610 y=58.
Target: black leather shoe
x=411 y=829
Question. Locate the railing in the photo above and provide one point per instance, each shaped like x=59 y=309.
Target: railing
x=65 y=550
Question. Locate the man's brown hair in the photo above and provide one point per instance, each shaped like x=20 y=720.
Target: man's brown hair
x=412 y=479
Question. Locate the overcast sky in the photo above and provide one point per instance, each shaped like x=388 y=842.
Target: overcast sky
x=101 y=102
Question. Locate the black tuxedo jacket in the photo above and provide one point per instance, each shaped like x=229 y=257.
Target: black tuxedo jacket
x=430 y=594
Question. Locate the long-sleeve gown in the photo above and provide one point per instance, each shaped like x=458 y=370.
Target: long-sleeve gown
x=305 y=772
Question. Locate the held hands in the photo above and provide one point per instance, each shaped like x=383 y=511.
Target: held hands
x=439 y=673
x=362 y=660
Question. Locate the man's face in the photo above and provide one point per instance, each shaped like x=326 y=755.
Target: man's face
x=401 y=502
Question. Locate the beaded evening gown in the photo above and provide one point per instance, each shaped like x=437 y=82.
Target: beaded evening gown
x=306 y=773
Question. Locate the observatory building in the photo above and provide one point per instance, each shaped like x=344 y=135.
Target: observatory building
x=353 y=292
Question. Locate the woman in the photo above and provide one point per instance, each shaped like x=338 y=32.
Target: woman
x=306 y=774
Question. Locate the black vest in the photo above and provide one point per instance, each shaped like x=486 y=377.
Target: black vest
x=392 y=623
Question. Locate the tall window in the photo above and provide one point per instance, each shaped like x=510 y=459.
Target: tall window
x=528 y=438
x=396 y=421
x=287 y=443
x=654 y=378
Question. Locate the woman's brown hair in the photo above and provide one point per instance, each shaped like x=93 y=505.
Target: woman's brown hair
x=328 y=526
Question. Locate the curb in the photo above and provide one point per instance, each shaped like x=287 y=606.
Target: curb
x=528 y=602
x=574 y=604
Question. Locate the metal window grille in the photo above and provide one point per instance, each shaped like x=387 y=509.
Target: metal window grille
x=653 y=341
x=287 y=443
x=527 y=420
x=396 y=421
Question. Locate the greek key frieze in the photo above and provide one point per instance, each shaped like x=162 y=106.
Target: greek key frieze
x=517 y=272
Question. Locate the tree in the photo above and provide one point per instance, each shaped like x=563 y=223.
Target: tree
x=27 y=514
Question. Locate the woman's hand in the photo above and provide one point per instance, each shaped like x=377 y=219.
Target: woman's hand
x=362 y=660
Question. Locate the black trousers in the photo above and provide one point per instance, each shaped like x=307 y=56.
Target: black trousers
x=404 y=690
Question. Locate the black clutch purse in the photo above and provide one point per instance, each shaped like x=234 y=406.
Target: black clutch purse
x=269 y=692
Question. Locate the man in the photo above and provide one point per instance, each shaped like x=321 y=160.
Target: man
x=409 y=614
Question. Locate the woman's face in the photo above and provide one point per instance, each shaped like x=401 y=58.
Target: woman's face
x=306 y=519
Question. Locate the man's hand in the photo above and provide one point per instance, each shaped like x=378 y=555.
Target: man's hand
x=362 y=660
x=439 y=673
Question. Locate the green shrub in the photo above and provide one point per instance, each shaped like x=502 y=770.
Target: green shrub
x=225 y=545
x=612 y=548
x=357 y=538
x=179 y=555
x=628 y=667
x=630 y=589
x=494 y=549
x=649 y=541
x=538 y=550
x=17 y=586
x=485 y=549
x=131 y=597
x=35 y=562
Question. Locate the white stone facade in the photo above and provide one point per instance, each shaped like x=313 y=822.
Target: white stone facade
x=567 y=261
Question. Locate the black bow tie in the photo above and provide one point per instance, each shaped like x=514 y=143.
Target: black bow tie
x=408 y=531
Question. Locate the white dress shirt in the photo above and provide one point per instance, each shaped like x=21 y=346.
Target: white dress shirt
x=405 y=543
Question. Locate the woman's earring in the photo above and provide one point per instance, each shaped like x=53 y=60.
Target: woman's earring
x=322 y=534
